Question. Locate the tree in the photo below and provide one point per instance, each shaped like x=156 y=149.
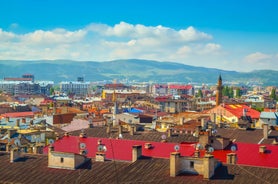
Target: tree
x=273 y=94
x=199 y=94
x=237 y=92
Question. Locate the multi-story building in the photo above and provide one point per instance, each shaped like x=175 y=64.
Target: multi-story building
x=175 y=89
x=25 y=85
x=77 y=88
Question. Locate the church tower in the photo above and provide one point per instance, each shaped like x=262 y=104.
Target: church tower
x=219 y=91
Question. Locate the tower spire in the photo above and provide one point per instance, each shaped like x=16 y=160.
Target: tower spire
x=219 y=91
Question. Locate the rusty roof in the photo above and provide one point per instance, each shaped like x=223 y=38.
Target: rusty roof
x=33 y=169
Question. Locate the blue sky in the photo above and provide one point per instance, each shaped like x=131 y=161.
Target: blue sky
x=231 y=35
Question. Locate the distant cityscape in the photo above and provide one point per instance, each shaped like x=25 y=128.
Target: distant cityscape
x=179 y=131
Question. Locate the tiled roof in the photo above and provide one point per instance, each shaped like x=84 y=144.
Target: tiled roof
x=175 y=86
x=144 y=136
x=247 y=136
x=154 y=171
x=237 y=110
x=18 y=114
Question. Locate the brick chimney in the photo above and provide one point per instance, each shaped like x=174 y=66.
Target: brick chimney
x=265 y=130
x=136 y=152
x=174 y=164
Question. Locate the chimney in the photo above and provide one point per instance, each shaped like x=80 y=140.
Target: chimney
x=197 y=131
x=66 y=134
x=243 y=112
x=82 y=135
x=108 y=129
x=17 y=122
x=120 y=129
x=136 y=152
x=100 y=156
x=169 y=131
x=209 y=166
x=51 y=147
x=231 y=158
x=132 y=130
x=262 y=149
x=265 y=130
x=57 y=137
x=181 y=120
x=174 y=164
x=14 y=155
x=203 y=123
x=7 y=119
x=31 y=122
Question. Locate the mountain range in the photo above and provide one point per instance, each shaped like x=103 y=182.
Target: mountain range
x=132 y=70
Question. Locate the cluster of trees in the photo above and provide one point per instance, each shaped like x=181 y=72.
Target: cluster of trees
x=226 y=91
x=273 y=94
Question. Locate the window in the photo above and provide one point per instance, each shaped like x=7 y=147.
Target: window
x=211 y=141
x=191 y=164
x=62 y=160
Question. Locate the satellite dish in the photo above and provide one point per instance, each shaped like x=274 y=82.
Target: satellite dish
x=17 y=142
x=199 y=146
x=82 y=145
x=163 y=137
x=177 y=147
x=233 y=148
x=100 y=148
x=51 y=141
x=210 y=149
x=120 y=136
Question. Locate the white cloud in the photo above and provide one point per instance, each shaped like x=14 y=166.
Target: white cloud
x=256 y=57
x=99 y=42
